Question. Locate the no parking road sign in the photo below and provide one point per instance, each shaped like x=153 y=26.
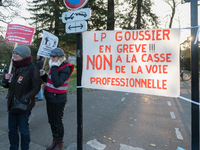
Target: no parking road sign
x=75 y=4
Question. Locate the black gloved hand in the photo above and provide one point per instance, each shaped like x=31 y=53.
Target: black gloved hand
x=23 y=99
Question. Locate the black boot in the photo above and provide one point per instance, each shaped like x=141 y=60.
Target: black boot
x=52 y=146
x=59 y=145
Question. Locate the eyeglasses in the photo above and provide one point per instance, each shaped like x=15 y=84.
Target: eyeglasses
x=14 y=53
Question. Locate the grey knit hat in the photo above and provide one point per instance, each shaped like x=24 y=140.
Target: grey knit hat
x=23 y=51
x=57 y=52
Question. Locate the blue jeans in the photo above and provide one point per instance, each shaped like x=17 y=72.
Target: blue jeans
x=40 y=96
x=19 y=123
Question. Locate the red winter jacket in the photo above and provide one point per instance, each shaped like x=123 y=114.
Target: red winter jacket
x=55 y=90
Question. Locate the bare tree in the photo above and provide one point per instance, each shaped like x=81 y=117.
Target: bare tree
x=173 y=4
x=8 y=10
x=137 y=15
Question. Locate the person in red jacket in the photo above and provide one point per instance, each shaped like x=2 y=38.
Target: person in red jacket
x=55 y=92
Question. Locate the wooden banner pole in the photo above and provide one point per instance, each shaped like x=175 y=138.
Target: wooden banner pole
x=10 y=67
x=44 y=63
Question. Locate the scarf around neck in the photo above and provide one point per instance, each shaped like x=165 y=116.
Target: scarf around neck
x=22 y=63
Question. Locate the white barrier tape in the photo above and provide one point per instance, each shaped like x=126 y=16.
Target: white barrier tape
x=79 y=87
x=190 y=27
x=189 y=100
x=197 y=32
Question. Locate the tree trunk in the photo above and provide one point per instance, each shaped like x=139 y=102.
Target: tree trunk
x=110 y=16
x=138 y=19
x=57 y=15
x=173 y=13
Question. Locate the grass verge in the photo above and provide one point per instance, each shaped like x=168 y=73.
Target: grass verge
x=72 y=87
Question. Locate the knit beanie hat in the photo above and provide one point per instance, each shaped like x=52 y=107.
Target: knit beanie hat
x=23 y=51
x=57 y=52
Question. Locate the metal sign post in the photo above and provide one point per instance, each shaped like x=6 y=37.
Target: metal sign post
x=75 y=23
x=79 y=93
x=194 y=77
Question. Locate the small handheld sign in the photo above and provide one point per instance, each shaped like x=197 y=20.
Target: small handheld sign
x=48 y=42
x=19 y=34
x=75 y=4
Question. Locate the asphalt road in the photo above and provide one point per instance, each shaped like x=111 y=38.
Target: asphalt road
x=117 y=121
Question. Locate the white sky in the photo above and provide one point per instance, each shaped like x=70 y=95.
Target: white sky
x=161 y=8
x=181 y=20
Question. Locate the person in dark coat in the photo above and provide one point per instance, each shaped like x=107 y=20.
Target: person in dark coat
x=55 y=92
x=24 y=88
x=40 y=62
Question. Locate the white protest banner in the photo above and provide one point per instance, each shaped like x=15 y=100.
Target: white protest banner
x=49 y=42
x=137 y=61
